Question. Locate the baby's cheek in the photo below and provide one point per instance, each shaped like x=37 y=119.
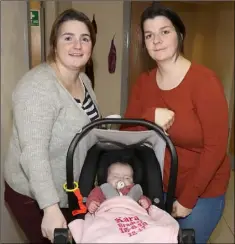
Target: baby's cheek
x=128 y=182
x=112 y=182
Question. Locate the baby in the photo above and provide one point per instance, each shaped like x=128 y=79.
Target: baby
x=119 y=181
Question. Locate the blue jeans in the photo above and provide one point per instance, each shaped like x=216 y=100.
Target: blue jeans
x=204 y=217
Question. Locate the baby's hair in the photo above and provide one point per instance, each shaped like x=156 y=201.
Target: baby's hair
x=120 y=163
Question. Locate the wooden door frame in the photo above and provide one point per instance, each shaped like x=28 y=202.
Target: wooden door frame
x=29 y=34
x=125 y=56
x=231 y=116
x=42 y=32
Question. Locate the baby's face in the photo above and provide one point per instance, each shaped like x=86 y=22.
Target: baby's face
x=120 y=172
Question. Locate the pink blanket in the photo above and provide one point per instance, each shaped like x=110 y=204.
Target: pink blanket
x=122 y=220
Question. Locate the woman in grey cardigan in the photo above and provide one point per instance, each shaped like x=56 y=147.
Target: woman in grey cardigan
x=51 y=103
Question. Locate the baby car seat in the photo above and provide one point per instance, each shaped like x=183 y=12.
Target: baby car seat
x=147 y=171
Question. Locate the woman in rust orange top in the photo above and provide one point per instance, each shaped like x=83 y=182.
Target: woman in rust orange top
x=187 y=100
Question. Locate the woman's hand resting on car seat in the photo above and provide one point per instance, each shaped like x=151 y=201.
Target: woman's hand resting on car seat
x=52 y=219
x=180 y=211
x=164 y=118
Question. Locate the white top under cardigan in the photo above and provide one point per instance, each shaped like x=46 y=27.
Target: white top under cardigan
x=45 y=120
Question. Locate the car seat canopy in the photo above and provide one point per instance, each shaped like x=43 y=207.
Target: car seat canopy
x=112 y=139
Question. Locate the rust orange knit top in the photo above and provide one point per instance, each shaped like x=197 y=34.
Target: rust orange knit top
x=199 y=132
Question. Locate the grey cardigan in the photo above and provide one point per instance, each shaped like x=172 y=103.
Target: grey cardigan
x=45 y=120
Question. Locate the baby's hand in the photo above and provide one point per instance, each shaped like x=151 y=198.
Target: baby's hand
x=93 y=206
x=144 y=203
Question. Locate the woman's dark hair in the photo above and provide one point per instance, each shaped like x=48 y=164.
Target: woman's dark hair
x=89 y=71
x=156 y=9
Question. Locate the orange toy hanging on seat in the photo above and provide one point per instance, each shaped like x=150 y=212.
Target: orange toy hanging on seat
x=82 y=207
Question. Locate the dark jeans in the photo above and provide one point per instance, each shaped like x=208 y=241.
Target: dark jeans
x=204 y=217
x=28 y=214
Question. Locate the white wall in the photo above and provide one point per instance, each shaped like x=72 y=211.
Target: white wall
x=109 y=19
x=63 y=5
x=14 y=63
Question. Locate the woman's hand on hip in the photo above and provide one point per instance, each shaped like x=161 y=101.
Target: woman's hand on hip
x=179 y=211
x=164 y=118
x=52 y=219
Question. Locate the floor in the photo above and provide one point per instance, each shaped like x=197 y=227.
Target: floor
x=224 y=232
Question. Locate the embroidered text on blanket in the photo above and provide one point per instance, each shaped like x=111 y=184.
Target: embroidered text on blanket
x=130 y=225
